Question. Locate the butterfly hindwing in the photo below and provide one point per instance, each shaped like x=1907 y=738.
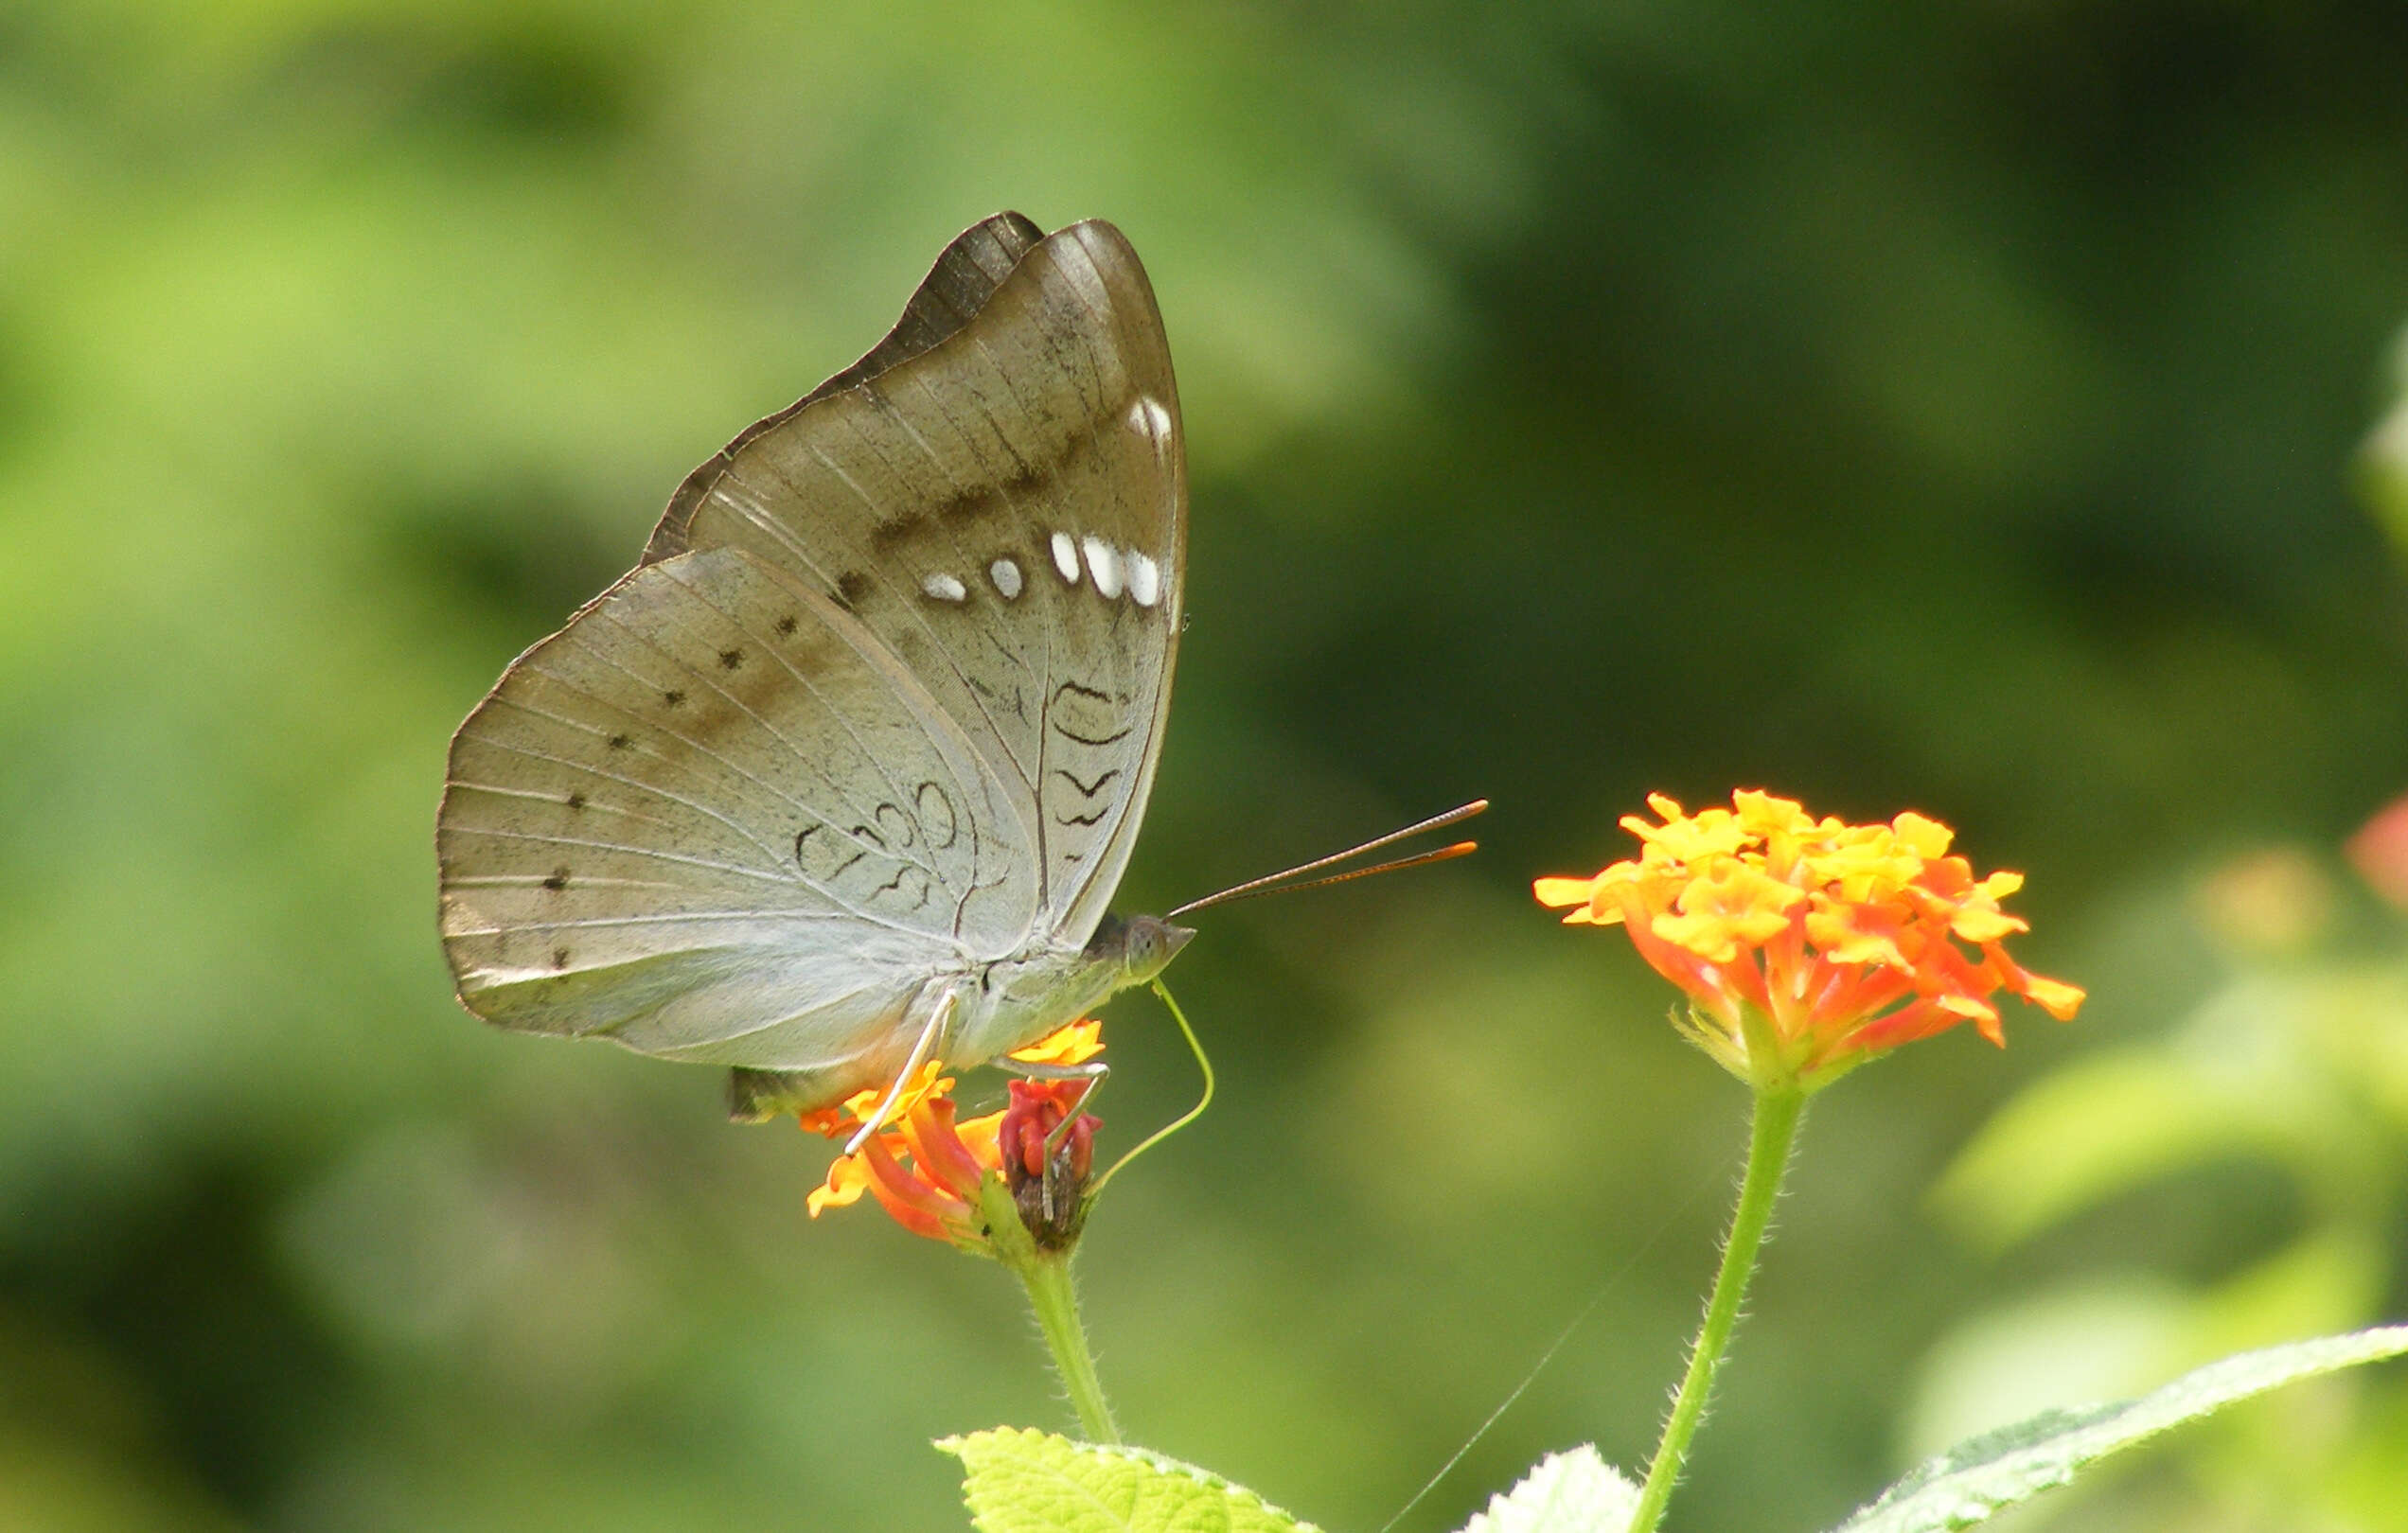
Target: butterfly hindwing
x=709 y=821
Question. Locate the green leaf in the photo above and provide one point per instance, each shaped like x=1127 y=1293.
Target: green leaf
x=1998 y=1468
x=2099 y=1128
x=1575 y=1492
x=1026 y=1481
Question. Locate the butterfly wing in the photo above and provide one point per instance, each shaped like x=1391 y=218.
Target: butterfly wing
x=998 y=492
x=884 y=700
x=712 y=820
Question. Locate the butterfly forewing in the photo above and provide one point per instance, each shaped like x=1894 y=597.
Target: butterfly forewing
x=956 y=287
x=881 y=704
x=1006 y=508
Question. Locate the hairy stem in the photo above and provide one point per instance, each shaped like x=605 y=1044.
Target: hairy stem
x=1055 y=1298
x=1774 y=1128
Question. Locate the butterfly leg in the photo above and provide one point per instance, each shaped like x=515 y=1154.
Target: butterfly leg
x=940 y=1016
x=1093 y=1073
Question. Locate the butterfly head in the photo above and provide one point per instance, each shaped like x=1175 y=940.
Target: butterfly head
x=1144 y=945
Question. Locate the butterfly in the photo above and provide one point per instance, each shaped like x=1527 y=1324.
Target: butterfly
x=844 y=774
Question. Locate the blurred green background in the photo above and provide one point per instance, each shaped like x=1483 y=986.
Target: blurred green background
x=1960 y=407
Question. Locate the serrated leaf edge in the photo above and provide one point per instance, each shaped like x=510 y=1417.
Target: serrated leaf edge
x=1160 y=1463
x=2052 y=1459
x=1564 y=1462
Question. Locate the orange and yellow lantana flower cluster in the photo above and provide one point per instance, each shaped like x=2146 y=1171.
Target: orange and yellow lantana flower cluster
x=924 y=1168
x=1807 y=946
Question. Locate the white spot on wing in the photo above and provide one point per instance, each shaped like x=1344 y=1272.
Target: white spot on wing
x=1006 y=576
x=944 y=587
x=1066 y=556
x=1148 y=418
x=1144 y=579
x=1104 y=564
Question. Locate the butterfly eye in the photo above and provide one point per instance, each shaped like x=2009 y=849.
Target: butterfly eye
x=1149 y=946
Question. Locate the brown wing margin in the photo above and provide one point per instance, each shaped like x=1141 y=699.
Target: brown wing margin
x=956 y=287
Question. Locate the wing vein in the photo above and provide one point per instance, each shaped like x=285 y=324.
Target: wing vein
x=777 y=858
x=963 y=559
x=835 y=711
x=499 y=835
x=569 y=922
x=772 y=789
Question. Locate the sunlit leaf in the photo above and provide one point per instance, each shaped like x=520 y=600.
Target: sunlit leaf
x=1997 y=1470
x=1020 y=1480
x=1574 y=1491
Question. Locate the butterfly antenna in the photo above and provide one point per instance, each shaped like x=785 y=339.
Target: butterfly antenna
x=1278 y=883
x=1444 y=853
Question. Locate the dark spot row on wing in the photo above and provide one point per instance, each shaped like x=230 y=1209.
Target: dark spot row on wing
x=1026 y=481
x=973 y=504
x=894 y=530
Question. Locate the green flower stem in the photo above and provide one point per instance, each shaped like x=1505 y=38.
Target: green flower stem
x=1775 y=1128
x=1046 y=1275
x=1055 y=1300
